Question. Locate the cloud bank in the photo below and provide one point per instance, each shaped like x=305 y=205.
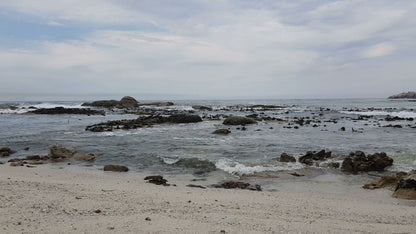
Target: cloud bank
x=209 y=49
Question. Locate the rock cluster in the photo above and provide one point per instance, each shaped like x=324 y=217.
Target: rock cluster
x=125 y=102
x=359 y=162
x=238 y=185
x=311 y=156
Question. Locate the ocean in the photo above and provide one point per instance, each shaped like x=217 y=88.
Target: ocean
x=191 y=148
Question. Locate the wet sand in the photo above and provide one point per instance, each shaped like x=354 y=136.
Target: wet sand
x=46 y=199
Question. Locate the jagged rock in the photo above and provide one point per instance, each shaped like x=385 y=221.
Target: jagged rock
x=62 y=110
x=116 y=168
x=238 y=120
x=310 y=157
x=158 y=180
x=222 y=131
x=59 y=152
x=6 y=151
x=198 y=107
x=284 y=157
x=87 y=157
x=359 y=162
x=409 y=95
x=238 y=185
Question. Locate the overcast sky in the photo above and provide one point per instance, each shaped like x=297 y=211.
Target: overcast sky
x=208 y=48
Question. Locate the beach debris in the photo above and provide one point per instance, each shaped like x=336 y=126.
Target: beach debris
x=222 y=131
x=70 y=111
x=59 y=152
x=312 y=156
x=147 y=121
x=195 y=186
x=6 y=151
x=359 y=162
x=237 y=185
x=116 y=168
x=156 y=179
x=284 y=157
x=238 y=120
x=87 y=157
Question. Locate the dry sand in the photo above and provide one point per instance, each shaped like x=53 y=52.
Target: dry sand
x=47 y=199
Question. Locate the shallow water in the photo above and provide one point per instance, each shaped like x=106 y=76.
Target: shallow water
x=254 y=150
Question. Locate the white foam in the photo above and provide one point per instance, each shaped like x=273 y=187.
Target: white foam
x=24 y=107
x=241 y=169
x=401 y=114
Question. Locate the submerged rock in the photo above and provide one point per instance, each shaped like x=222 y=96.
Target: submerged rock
x=62 y=110
x=238 y=185
x=116 y=168
x=59 y=152
x=222 y=131
x=284 y=157
x=359 y=162
x=202 y=165
x=157 y=179
x=238 y=120
x=310 y=157
x=5 y=151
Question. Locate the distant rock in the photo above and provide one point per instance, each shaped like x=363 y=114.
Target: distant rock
x=59 y=152
x=125 y=102
x=405 y=95
x=284 y=157
x=359 y=162
x=238 y=120
x=62 y=110
x=222 y=131
x=160 y=104
x=116 y=168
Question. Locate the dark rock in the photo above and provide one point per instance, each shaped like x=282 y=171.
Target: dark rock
x=406 y=187
x=183 y=118
x=33 y=157
x=342 y=129
x=238 y=120
x=396 y=118
x=102 y=103
x=312 y=156
x=238 y=185
x=359 y=162
x=198 y=107
x=15 y=160
x=222 y=131
x=159 y=104
x=127 y=102
x=6 y=151
x=408 y=95
x=287 y=158
x=62 y=110
x=195 y=186
x=333 y=164
x=386 y=181
x=393 y=126
x=116 y=168
x=296 y=174
x=158 y=180
x=59 y=152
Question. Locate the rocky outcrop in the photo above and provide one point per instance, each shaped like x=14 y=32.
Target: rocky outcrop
x=116 y=168
x=158 y=180
x=62 y=110
x=238 y=185
x=402 y=183
x=141 y=122
x=406 y=95
x=238 y=120
x=5 y=151
x=311 y=156
x=284 y=157
x=359 y=162
x=59 y=152
x=87 y=157
x=222 y=131
x=125 y=102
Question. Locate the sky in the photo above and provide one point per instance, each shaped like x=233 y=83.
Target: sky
x=208 y=49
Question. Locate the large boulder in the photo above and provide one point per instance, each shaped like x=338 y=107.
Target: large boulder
x=116 y=168
x=238 y=120
x=359 y=162
x=287 y=158
x=59 y=152
x=127 y=102
x=310 y=157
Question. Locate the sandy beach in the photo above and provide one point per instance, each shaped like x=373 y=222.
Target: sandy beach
x=51 y=199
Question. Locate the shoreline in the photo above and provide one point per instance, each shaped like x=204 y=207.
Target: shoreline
x=73 y=200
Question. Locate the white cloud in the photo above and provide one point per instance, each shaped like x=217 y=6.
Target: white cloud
x=378 y=50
